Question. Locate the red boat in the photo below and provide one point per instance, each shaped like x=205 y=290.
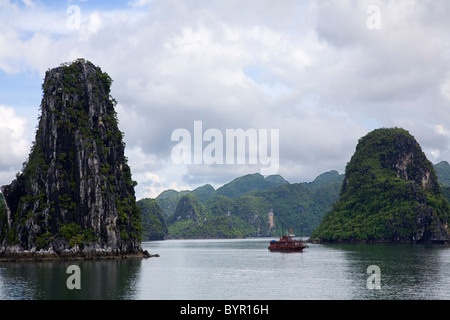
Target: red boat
x=287 y=244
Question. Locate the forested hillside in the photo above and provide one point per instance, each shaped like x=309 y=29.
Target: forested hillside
x=250 y=206
x=390 y=193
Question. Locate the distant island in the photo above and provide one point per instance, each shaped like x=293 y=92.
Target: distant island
x=391 y=193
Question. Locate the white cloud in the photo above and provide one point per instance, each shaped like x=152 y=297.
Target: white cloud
x=140 y=3
x=95 y=22
x=440 y=129
x=29 y=3
x=14 y=143
x=311 y=69
x=445 y=89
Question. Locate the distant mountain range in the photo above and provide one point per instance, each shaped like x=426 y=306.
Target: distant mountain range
x=238 y=187
x=250 y=206
x=443 y=173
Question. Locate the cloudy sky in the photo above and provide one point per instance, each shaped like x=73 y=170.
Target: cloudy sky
x=322 y=73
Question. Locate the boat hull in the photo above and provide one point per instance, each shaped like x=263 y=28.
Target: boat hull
x=287 y=244
x=283 y=249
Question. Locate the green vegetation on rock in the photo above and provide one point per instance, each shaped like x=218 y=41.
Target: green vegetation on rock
x=443 y=173
x=253 y=206
x=251 y=182
x=153 y=223
x=390 y=193
x=75 y=192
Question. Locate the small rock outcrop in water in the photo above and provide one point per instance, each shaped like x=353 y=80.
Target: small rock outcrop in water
x=390 y=193
x=75 y=196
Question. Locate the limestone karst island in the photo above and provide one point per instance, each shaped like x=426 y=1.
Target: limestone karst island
x=390 y=194
x=75 y=195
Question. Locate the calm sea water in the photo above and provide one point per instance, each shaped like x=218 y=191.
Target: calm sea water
x=241 y=269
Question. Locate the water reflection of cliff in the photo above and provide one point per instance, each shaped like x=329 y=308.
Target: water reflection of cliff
x=102 y=279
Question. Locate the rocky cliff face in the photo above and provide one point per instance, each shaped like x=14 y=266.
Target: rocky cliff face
x=390 y=193
x=75 y=194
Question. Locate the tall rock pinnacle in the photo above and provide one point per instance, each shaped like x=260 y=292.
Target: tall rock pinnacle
x=75 y=195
